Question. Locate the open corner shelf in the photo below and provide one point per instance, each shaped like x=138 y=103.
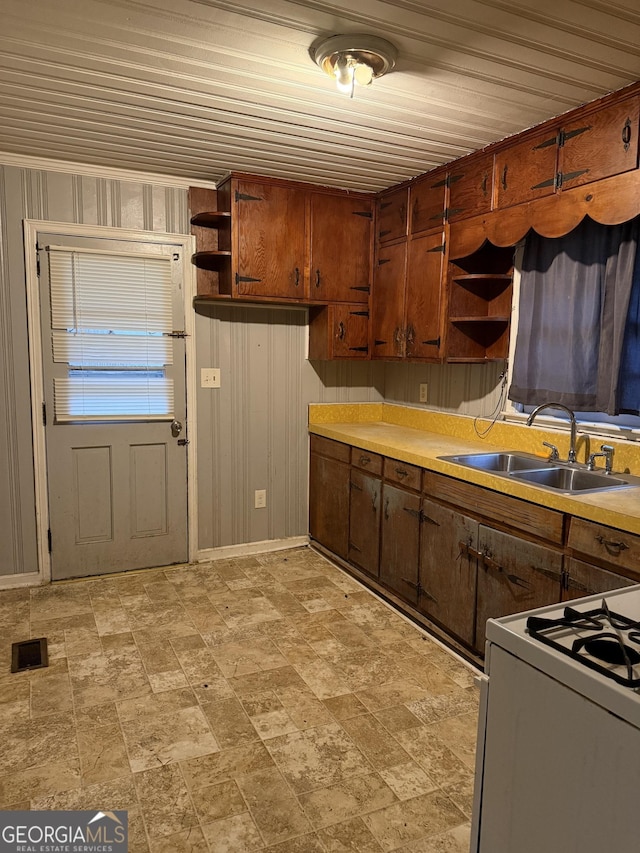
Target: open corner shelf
x=213 y=261
x=212 y=219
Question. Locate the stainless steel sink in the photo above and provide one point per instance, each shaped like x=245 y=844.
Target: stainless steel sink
x=498 y=462
x=570 y=479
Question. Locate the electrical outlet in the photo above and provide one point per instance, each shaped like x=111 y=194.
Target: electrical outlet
x=423 y=392
x=260 y=498
x=210 y=377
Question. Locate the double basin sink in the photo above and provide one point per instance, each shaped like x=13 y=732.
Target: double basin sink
x=567 y=478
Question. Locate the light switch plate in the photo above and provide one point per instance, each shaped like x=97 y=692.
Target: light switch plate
x=210 y=377
x=260 y=498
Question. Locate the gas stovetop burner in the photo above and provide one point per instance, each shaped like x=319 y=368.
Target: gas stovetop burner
x=599 y=639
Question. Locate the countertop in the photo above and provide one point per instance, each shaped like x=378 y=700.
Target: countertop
x=420 y=437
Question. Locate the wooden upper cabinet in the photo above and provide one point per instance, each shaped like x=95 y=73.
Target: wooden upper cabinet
x=392 y=215
x=269 y=222
x=427 y=201
x=387 y=304
x=470 y=187
x=340 y=255
x=527 y=170
x=602 y=144
x=423 y=294
x=339 y=330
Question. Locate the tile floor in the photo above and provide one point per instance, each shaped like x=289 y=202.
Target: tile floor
x=266 y=702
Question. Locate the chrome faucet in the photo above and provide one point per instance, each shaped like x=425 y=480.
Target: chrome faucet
x=572 y=418
x=607 y=454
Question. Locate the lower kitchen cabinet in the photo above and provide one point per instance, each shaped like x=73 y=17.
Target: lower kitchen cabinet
x=586 y=579
x=448 y=569
x=400 y=542
x=364 y=521
x=329 y=494
x=513 y=575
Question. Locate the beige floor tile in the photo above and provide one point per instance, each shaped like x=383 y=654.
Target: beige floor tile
x=304 y=708
x=169 y=680
x=229 y=722
x=273 y=723
x=190 y=840
x=214 y=802
x=461 y=794
x=226 y=764
x=411 y=820
x=407 y=780
x=315 y=758
x=242 y=658
x=397 y=719
x=273 y=679
x=350 y=836
x=374 y=741
x=433 y=755
x=164 y=800
x=34 y=743
x=37 y=782
x=143 y=707
x=345 y=706
x=393 y=693
x=325 y=680
x=432 y=708
x=309 y=843
x=459 y=734
x=237 y=834
x=51 y=695
x=274 y=809
x=103 y=755
x=456 y=840
x=347 y=799
x=118 y=794
x=166 y=738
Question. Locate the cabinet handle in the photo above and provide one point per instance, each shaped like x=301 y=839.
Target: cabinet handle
x=403 y=213
x=374 y=501
x=386 y=509
x=402 y=472
x=485 y=181
x=297 y=276
x=317 y=278
x=365 y=460
x=626 y=134
x=504 y=177
x=341 y=331
x=609 y=544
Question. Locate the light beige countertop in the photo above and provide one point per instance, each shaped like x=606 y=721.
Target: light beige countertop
x=420 y=437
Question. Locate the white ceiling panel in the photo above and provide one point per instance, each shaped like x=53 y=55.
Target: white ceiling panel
x=195 y=88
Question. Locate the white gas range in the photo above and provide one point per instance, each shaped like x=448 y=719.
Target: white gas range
x=558 y=765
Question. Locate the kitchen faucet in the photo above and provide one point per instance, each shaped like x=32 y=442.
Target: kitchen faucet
x=572 y=418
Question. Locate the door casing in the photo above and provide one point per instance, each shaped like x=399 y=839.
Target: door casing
x=186 y=245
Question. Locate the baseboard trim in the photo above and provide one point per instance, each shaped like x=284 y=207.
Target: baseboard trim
x=17 y=581
x=248 y=548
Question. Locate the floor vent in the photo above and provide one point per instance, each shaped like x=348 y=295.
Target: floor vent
x=29 y=654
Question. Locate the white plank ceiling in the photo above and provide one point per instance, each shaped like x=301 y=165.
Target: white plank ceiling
x=194 y=88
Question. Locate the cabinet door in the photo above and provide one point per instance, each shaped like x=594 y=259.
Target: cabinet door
x=399 y=542
x=526 y=170
x=602 y=144
x=470 y=187
x=364 y=521
x=392 y=215
x=586 y=579
x=513 y=575
x=329 y=503
x=339 y=331
x=427 y=201
x=340 y=265
x=425 y=266
x=448 y=568
x=269 y=221
x=387 y=302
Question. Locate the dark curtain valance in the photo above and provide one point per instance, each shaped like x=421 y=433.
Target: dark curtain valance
x=573 y=342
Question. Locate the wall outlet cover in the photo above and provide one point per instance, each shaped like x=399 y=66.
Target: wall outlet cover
x=260 y=498
x=210 y=377
x=423 y=392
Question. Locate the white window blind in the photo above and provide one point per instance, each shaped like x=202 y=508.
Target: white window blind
x=111 y=315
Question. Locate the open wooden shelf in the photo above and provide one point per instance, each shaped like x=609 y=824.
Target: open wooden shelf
x=212 y=219
x=479 y=319
x=213 y=261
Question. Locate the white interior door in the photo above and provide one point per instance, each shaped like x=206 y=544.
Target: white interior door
x=115 y=404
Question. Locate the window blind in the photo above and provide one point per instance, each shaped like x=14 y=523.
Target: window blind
x=111 y=314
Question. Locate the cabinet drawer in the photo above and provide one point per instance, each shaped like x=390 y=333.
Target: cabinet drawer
x=547 y=524
x=409 y=476
x=605 y=543
x=371 y=462
x=328 y=447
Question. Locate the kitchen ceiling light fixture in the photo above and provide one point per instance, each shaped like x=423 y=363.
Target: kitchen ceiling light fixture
x=354 y=58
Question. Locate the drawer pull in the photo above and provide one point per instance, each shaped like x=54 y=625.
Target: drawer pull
x=402 y=472
x=609 y=544
x=365 y=460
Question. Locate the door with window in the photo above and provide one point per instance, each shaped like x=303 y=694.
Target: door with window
x=112 y=316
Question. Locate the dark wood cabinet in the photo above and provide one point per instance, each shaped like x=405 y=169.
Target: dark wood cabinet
x=329 y=494
x=582 y=578
x=392 y=207
x=422 y=318
x=513 y=575
x=341 y=248
x=339 y=331
x=526 y=170
x=269 y=236
x=448 y=569
x=470 y=186
x=387 y=303
x=400 y=541
x=427 y=198
x=364 y=521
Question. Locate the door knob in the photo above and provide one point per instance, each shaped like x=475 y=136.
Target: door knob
x=176 y=428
